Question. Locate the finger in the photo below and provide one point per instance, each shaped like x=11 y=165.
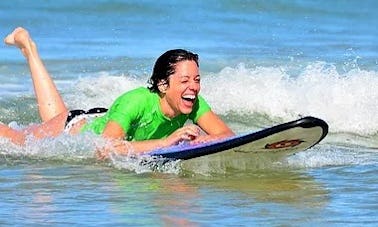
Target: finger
x=194 y=128
x=193 y=131
x=193 y=134
x=101 y=155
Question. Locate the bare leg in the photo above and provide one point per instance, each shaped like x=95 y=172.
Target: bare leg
x=17 y=137
x=51 y=128
x=49 y=101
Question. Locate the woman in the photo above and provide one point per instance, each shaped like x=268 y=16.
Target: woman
x=148 y=118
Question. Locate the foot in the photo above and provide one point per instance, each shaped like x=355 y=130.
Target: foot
x=21 y=39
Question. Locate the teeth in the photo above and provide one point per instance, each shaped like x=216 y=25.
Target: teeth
x=189 y=96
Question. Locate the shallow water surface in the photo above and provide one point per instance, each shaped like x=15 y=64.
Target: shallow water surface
x=262 y=64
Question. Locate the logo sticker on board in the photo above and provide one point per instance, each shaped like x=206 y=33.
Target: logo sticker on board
x=283 y=144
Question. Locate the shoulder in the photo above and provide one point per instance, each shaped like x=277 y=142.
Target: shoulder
x=140 y=100
x=202 y=101
x=136 y=94
x=200 y=108
x=131 y=104
x=202 y=104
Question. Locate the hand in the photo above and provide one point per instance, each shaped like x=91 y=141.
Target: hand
x=204 y=139
x=186 y=133
x=115 y=145
x=102 y=153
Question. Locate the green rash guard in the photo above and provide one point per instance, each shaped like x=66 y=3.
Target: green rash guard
x=139 y=114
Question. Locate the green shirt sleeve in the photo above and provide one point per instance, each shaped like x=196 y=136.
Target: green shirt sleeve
x=127 y=108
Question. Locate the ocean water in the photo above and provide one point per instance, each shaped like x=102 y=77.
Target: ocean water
x=262 y=63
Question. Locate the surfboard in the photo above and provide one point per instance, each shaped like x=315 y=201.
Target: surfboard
x=289 y=137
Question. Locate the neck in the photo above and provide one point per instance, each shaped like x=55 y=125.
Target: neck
x=166 y=109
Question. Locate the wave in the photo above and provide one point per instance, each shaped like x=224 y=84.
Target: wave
x=248 y=97
x=347 y=101
x=258 y=96
x=255 y=97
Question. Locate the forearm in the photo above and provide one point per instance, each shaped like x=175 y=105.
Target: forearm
x=226 y=133
x=212 y=137
x=122 y=147
x=148 y=145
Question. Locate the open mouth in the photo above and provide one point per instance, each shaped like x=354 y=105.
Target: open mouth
x=189 y=98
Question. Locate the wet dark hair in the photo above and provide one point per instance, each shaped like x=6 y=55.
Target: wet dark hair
x=165 y=66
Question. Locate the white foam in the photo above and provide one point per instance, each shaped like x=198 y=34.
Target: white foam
x=101 y=90
x=348 y=101
x=80 y=149
x=332 y=155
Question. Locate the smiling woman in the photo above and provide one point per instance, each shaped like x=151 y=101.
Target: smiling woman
x=149 y=118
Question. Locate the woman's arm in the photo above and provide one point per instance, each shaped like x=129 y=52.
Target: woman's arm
x=114 y=132
x=214 y=127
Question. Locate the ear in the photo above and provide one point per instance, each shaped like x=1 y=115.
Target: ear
x=162 y=86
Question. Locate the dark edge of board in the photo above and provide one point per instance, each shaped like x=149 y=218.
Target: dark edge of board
x=235 y=141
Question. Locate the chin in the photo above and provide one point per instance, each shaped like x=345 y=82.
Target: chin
x=186 y=110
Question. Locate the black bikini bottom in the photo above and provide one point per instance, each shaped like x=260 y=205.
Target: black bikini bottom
x=74 y=113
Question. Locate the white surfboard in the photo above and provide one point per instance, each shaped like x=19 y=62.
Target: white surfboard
x=289 y=137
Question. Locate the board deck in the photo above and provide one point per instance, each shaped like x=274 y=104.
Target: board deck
x=288 y=137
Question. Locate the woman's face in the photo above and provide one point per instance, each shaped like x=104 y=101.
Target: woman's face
x=183 y=89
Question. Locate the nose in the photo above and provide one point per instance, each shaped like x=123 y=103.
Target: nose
x=194 y=85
